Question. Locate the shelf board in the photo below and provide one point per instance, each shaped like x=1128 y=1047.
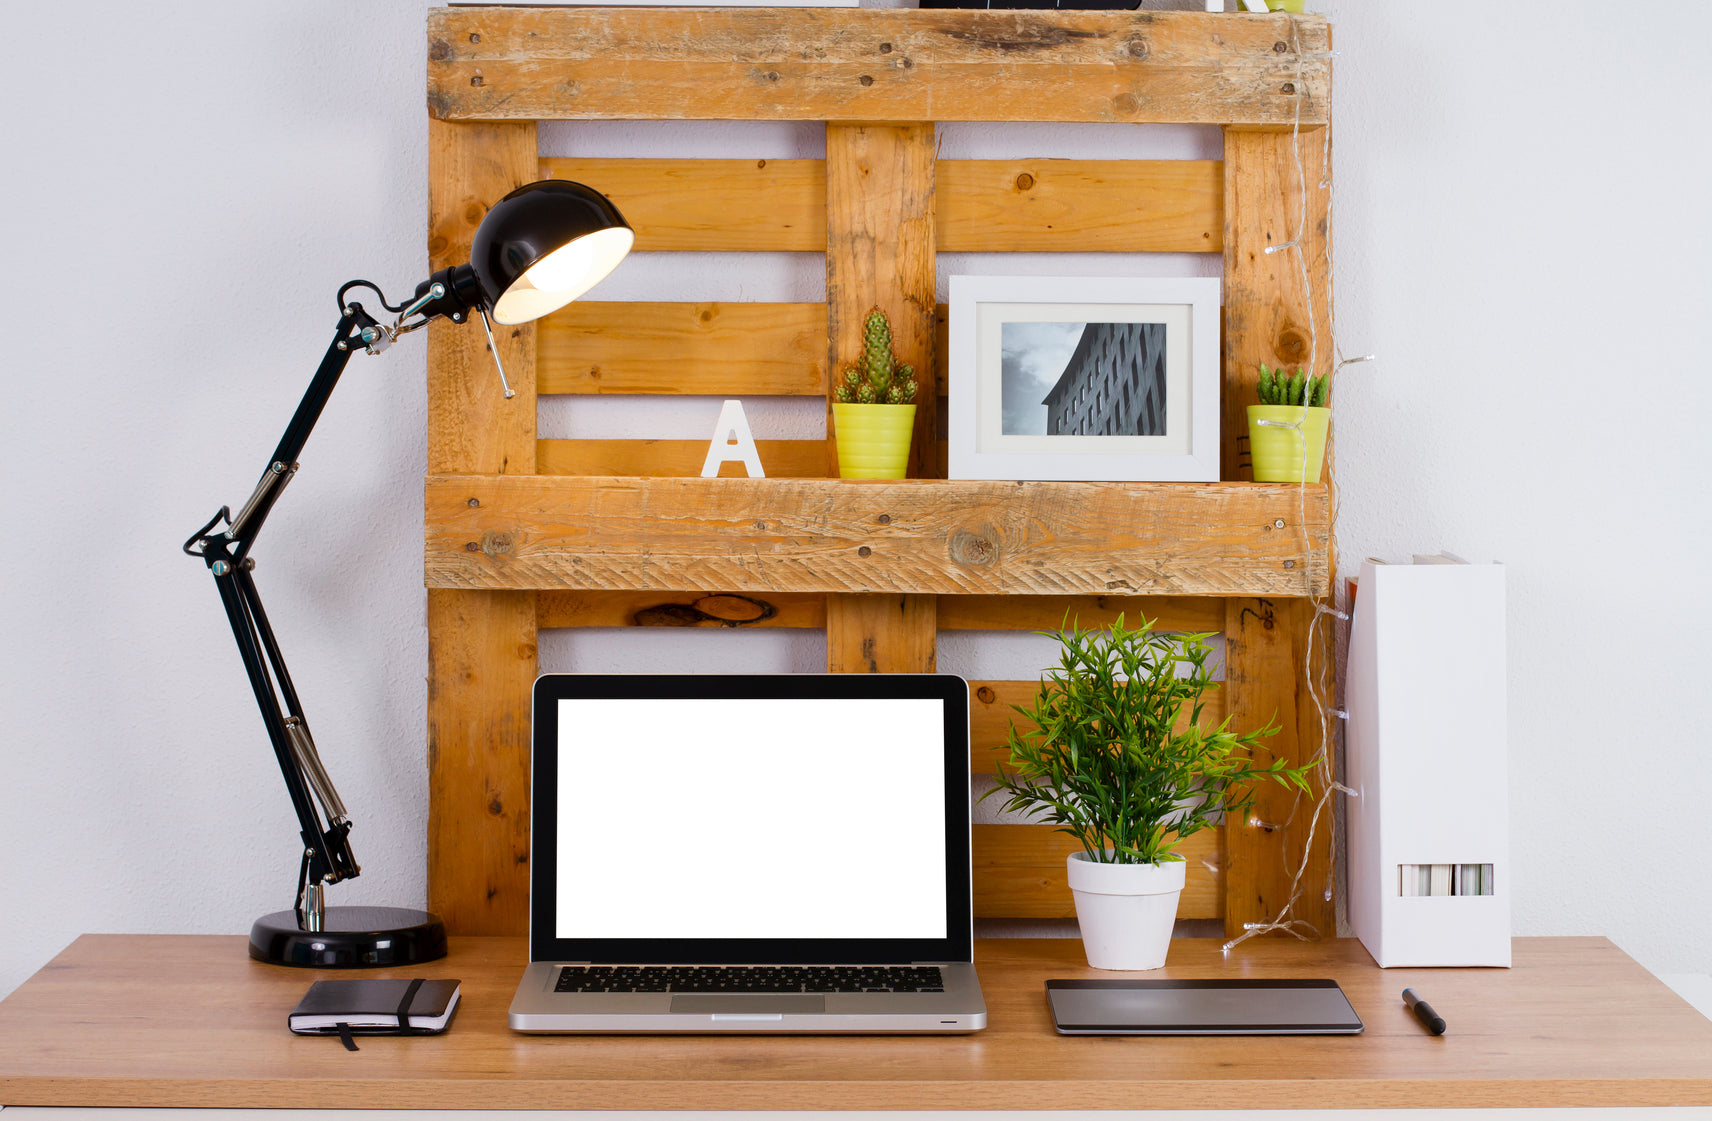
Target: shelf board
x=908 y=536
x=861 y=64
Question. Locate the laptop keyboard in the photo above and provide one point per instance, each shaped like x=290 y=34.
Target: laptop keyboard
x=749 y=979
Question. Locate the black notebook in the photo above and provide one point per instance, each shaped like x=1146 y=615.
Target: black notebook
x=376 y=1006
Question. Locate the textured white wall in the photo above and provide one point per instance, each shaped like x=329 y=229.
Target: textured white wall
x=1519 y=239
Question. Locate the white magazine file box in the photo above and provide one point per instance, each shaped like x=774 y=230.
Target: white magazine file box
x=1428 y=759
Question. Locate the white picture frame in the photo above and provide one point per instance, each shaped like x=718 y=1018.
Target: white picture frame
x=1136 y=398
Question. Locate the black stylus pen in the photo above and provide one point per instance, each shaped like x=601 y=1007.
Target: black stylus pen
x=1423 y=1011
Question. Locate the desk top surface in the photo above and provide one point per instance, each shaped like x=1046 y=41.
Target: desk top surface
x=189 y=1020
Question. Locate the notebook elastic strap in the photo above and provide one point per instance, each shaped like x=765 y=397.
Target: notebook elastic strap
x=404 y=1005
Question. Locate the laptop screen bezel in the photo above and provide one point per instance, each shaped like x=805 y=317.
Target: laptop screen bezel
x=545 y=945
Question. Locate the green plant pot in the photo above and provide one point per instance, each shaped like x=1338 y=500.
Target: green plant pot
x=873 y=440
x=1276 y=453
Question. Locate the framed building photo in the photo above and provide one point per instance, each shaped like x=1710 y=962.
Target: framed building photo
x=1084 y=378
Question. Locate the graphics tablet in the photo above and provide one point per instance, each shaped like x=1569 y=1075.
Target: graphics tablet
x=1241 y=1007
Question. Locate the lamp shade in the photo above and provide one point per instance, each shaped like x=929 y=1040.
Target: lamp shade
x=545 y=244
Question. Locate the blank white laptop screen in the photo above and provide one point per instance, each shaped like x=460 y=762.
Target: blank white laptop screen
x=697 y=818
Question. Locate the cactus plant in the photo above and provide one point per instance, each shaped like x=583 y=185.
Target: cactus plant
x=1280 y=388
x=877 y=378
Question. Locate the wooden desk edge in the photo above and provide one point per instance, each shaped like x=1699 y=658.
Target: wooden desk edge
x=866 y=1094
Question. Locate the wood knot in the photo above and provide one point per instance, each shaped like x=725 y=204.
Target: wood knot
x=439 y=50
x=1138 y=48
x=972 y=550
x=1125 y=104
x=986 y=695
x=494 y=543
x=495 y=806
x=1291 y=345
x=1025 y=182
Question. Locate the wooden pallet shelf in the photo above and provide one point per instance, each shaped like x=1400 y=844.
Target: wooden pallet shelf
x=521 y=532
x=524 y=533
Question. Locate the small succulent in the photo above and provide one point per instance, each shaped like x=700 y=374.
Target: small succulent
x=1280 y=388
x=877 y=378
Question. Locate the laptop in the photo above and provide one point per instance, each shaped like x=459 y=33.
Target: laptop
x=750 y=853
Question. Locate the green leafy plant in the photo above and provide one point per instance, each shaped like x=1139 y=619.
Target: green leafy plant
x=878 y=378
x=1280 y=388
x=1105 y=761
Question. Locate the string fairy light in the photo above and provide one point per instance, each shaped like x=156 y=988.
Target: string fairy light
x=1315 y=678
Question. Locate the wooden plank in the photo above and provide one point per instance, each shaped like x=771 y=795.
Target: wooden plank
x=830 y=535
x=656 y=609
x=1048 y=613
x=481 y=660
x=880 y=634
x=1101 y=206
x=1266 y=642
x=1020 y=873
x=1267 y=308
x=855 y=64
x=780 y=459
x=991 y=717
x=707 y=205
x=481 y=644
x=881 y=253
x=715 y=349
x=471 y=425
x=998 y=613
x=984 y=206
x=1274 y=309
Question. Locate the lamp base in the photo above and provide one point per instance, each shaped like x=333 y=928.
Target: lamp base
x=352 y=938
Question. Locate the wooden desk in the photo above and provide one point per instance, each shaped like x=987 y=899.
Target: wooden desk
x=191 y=1021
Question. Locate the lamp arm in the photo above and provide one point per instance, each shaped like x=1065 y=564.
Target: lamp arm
x=327 y=852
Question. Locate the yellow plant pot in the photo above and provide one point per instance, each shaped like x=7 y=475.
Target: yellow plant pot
x=1276 y=452
x=873 y=440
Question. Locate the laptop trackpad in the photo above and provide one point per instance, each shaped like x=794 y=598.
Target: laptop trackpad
x=757 y=1004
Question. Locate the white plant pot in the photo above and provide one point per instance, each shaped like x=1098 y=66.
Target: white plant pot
x=1126 y=911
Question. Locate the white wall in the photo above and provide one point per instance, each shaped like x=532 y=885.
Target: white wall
x=1519 y=238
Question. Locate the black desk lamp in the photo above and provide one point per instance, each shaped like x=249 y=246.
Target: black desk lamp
x=539 y=248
